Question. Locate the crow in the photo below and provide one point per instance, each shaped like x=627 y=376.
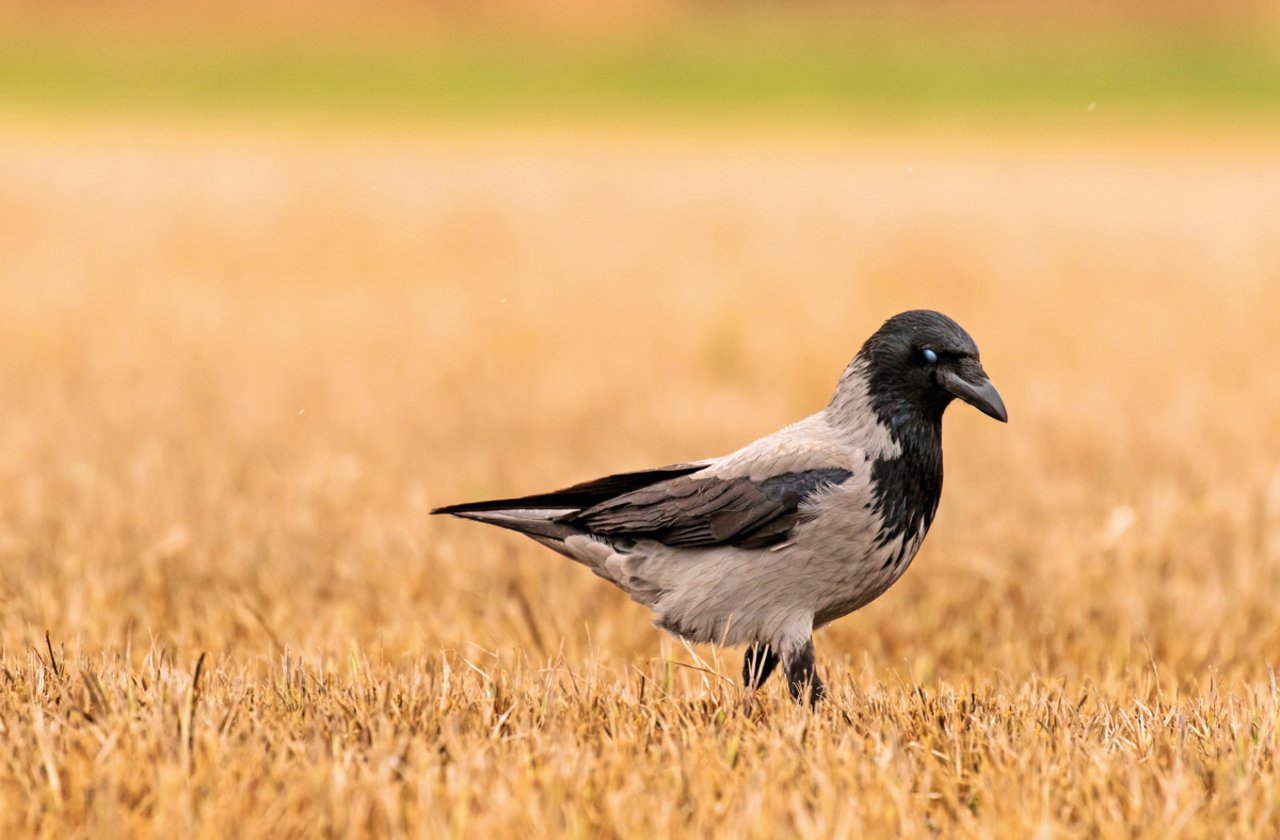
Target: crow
x=764 y=545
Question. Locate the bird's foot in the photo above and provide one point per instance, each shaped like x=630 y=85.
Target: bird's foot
x=802 y=677
x=758 y=665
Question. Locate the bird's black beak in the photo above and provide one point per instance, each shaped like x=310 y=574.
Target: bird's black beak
x=973 y=386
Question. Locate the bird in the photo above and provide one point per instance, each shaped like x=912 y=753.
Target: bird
x=761 y=547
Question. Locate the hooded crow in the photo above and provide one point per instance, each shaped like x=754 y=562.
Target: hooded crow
x=764 y=545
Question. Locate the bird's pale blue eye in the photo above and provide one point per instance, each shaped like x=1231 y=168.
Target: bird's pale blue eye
x=929 y=356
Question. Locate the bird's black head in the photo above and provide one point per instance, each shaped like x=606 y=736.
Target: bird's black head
x=917 y=363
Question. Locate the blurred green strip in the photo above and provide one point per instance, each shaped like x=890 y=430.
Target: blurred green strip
x=701 y=72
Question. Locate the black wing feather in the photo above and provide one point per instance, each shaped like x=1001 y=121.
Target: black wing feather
x=697 y=511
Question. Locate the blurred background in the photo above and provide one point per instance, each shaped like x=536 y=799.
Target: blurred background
x=280 y=277
x=850 y=63
x=276 y=278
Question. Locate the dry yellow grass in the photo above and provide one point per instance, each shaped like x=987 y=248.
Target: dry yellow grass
x=237 y=371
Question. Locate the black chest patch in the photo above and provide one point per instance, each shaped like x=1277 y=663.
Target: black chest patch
x=906 y=490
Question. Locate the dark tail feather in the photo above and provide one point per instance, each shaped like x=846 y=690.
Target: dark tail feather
x=577 y=497
x=542 y=525
x=546 y=517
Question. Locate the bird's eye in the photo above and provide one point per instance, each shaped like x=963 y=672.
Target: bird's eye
x=929 y=356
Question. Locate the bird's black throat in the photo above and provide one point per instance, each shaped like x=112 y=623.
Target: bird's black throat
x=907 y=487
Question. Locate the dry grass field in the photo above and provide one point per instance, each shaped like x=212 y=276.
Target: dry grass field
x=237 y=370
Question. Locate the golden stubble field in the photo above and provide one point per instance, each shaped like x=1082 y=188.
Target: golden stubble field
x=237 y=369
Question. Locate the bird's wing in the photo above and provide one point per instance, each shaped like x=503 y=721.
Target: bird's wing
x=707 y=510
x=750 y=498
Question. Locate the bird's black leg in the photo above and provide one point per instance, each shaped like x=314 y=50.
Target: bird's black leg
x=802 y=676
x=757 y=665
